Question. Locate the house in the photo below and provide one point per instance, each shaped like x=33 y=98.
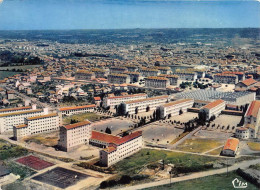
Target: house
x=231 y=147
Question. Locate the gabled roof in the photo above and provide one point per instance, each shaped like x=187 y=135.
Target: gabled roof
x=77 y=107
x=104 y=137
x=231 y=144
x=15 y=109
x=253 y=109
x=213 y=104
x=249 y=82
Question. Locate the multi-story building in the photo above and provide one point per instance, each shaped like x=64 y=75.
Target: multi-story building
x=163 y=70
x=240 y=75
x=84 y=75
x=157 y=82
x=143 y=105
x=7 y=121
x=225 y=78
x=174 y=108
x=77 y=109
x=146 y=72
x=102 y=140
x=118 y=78
x=37 y=125
x=17 y=109
x=134 y=76
x=187 y=76
x=74 y=135
x=213 y=108
x=131 y=68
x=118 y=70
x=252 y=121
x=121 y=148
x=172 y=78
x=116 y=100
x=99 y=73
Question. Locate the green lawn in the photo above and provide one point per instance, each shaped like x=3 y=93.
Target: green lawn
x=215 y=182
x=199 y=145
x=81 y=117
x=184 y=163
x=22 y=171
x=256 y=167
x=8 y=150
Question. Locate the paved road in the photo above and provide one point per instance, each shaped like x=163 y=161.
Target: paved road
x=243 y=165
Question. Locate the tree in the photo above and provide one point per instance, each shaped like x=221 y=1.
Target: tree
x=125 y=179
x=147 y=109
x=202 y=116
x=180 y=112
x=103 y=185
x=73 y=121
x=136 y=110
x=125 y=133
x=108 y=130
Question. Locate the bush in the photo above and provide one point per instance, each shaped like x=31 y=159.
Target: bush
x=103 y=185
x=125 y=179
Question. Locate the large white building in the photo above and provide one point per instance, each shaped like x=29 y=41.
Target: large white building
x=116 y=100
x=74 y=135
x=172 y=78
x=121 y=148
x=143 y=105
x=37 y=125
x=187 y=76
x=213 y=108
x=173 y=108
x=157 y=82
x=252 y=121
x=77 y=109
x=17 y=109
x=84 y=75
x=8 y=120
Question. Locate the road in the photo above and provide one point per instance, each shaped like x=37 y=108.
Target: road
x=242 y=165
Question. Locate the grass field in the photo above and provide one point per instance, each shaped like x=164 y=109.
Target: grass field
x=8 y=150
x=183 y=162
x=20 y=170
x=256 y=167
x=81 y=117
x=42 y=139
x=215 y=182
x=199 y=145
x=216 y=151
x=254 y=146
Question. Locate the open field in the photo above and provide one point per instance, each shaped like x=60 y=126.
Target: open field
x=254 y=146
x=161 y=133
x=183 y=162
x=22 y=171
x=215 y=182
x=199 y=145
x=48 y=139
x=225 y=120
x=185 y=117
x=216 y=151
x=81 y=117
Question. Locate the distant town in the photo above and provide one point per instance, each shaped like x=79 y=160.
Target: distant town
x=128 y=109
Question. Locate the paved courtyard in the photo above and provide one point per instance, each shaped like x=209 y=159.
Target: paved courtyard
x=226 y=120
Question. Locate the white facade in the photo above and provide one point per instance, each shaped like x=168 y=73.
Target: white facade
x=187 y=76
x=37 y=125
x=116 y=100
x=77 y=109
x=213 y=108
x=74 y=135
x=7 y=121
x=141 y=105
x=225 y=78
x=173 y=108
x=17 y=109
x=126 y=146
x=118 y=78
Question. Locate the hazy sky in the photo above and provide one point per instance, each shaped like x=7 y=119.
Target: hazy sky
x=110 y=14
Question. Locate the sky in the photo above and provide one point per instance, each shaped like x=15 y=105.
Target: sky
x=120 y=14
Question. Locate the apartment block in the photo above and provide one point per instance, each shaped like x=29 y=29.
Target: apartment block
x=84 y=75
x=74 y=135
x=225 y=78
x=157 y=82
x=36 y=125
x=143 y=105
x=173 y=108
x=118 y=78
x=77 y=109
x=172 y=78
x=116 y=100
x=213 y=108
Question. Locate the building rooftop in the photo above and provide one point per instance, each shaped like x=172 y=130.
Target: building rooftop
x=177 y=102
x=75 y=125
x=104 y=137
x=156 y=78
x=43 y=116
x=15 y=109
x=249 y=82
x=231 y=144
x=126 y=96
x=77 y=107
x=147 y=99
x=253 y=109
x=213 y=104
x=19 y=113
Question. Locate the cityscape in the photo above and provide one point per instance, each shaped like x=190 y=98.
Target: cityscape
x=129 y=108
